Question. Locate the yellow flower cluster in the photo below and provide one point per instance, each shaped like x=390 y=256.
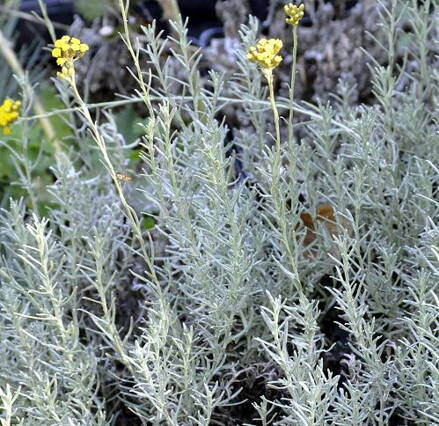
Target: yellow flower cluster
x=265 y=53
x=67 y=50
x=9 y=112
x=294 y=13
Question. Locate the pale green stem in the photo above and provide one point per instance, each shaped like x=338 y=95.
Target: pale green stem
x=130 y=212
x=269 y=76
x=292 y=86
x=277 y=155
x=135 y=56
x=277 y=198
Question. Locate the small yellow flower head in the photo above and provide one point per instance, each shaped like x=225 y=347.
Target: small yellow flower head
x=265 y=53
x=294 y=13
x=66 y=51
x=9 y=112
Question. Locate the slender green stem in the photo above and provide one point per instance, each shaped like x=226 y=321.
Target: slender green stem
x=275 y=186
x=292 y=86
x=134 y=52
x=269 y=76
x=277 y=158
x=130 y=212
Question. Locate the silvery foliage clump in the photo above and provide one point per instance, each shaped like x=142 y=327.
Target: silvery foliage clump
x=229 y=309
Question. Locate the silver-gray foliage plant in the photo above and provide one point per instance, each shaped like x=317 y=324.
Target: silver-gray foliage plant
x=224 y=305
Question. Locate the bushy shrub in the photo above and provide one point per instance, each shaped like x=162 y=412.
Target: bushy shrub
x=233 y=280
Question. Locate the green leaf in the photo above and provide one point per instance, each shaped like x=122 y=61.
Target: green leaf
x=91 y=9
x=51 y=101
x=148 y=222
x=127 y=121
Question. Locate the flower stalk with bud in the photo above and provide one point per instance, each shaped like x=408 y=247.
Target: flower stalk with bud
x=294 y=16
x=266 y=55
x=68 y=50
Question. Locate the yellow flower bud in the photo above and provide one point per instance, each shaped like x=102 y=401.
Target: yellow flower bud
x=9 y=112
x=265 y=53
x=67 y=50
x=294 y=13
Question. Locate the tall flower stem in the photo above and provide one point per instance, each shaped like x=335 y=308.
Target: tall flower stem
x=275 y=186
x=130 y=212
x=292 y=86
x=277 y=154
x=269 y=76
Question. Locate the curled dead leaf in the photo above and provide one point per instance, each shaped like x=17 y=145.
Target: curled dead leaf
x=326 y=221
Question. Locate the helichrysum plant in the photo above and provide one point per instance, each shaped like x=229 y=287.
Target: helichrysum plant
x=299 y=288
